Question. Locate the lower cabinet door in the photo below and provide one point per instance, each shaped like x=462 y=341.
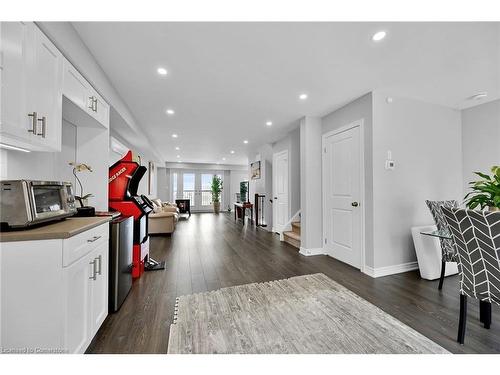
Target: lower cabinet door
x=99 y=288
x=78 y=280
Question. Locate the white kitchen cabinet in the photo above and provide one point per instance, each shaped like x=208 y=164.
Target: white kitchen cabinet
x=77 y=301
x=15 y=122
x=80 y=92
x=31 y=88
x=75 y=87
x=99 y=288
x=47 y=303
x=45 y=91
x=101 y=110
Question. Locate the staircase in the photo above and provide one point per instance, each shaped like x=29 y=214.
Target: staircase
x=293 y=237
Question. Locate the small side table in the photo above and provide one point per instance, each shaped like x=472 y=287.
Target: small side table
x=184 y=206
x=242 y=207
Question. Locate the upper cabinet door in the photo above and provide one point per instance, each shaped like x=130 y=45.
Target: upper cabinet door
x=45 y=90
x=14 y=52
x=75 y=87
x=80 y=92
x=101 y=109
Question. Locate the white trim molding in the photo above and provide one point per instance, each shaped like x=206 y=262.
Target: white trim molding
x=311 y=252
x=390 y=270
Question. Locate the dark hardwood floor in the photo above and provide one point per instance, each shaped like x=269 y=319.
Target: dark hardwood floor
x=208 y=252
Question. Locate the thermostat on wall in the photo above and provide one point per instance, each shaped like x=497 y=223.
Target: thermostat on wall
x=389 y=163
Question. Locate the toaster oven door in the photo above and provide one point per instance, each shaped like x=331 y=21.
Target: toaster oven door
x=49 y=200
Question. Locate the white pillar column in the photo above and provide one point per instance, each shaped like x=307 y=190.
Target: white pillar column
x=311 y=236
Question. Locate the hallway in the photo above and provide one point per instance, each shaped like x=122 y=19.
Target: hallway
x=208 y=252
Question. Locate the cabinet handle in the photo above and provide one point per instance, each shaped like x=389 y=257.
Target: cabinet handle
x=43 y=120
x=95 y=103
x=33 y=116
x=94 y=273
x=91 y=106
x=93 y=239
x=99 y=269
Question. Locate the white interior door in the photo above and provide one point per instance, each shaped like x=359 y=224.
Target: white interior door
x=342 y=193
x=281 y=208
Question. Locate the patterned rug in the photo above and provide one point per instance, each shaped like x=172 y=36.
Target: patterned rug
x=303 y=314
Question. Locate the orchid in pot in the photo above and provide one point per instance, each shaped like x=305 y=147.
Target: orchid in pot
x=84 y=209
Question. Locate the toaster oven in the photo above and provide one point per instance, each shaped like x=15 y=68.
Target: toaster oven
x=26 y=202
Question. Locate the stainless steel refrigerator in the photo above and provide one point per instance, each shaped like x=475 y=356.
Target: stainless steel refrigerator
x=120 y=260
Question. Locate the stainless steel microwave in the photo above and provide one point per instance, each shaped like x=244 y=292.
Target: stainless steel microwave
x=26 y=202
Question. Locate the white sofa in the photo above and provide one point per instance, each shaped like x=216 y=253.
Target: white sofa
x=164 y=217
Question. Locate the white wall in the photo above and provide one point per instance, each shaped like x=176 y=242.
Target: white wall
x=163 y=180
x=264 y=185
x=426 y=144
x=80 y=143
x=480 y=139
x=361 y=108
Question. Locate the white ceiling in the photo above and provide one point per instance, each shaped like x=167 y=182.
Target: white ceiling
x=225 y=80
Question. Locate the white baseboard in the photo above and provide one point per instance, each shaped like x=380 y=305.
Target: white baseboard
x=391 y=270
x=311 y=252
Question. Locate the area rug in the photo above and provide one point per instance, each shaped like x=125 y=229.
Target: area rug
x=303 y=314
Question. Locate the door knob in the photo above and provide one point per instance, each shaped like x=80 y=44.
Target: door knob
x=355 y=204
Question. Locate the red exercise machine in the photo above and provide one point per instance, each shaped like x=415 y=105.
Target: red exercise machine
x=124 y=178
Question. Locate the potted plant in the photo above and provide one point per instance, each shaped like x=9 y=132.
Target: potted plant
x=84 y=209
x=216 y=188
x=485 y=192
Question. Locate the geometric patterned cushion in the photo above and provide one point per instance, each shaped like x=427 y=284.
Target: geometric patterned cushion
x=476 y=235
x=447 y=246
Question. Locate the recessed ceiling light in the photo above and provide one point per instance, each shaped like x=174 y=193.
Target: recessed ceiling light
x=232 y=151
x=378 y=36
x=178 y=156
x=269 y=123
x=245 y=141
x=170 y=111
x=179 y=161
x=303 y=96
x=223 y=158
x=479 y=95
x=177 y=148
x=174 y=135
x=162 y=71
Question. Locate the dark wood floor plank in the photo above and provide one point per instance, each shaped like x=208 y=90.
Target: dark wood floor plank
x=207 y=252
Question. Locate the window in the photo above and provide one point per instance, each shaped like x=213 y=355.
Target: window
x=188 y=187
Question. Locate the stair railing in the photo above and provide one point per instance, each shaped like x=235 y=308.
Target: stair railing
x=288 y=226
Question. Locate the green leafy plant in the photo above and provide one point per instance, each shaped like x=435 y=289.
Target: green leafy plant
x=216 y=188
x=486 y=191
x=243 y=191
